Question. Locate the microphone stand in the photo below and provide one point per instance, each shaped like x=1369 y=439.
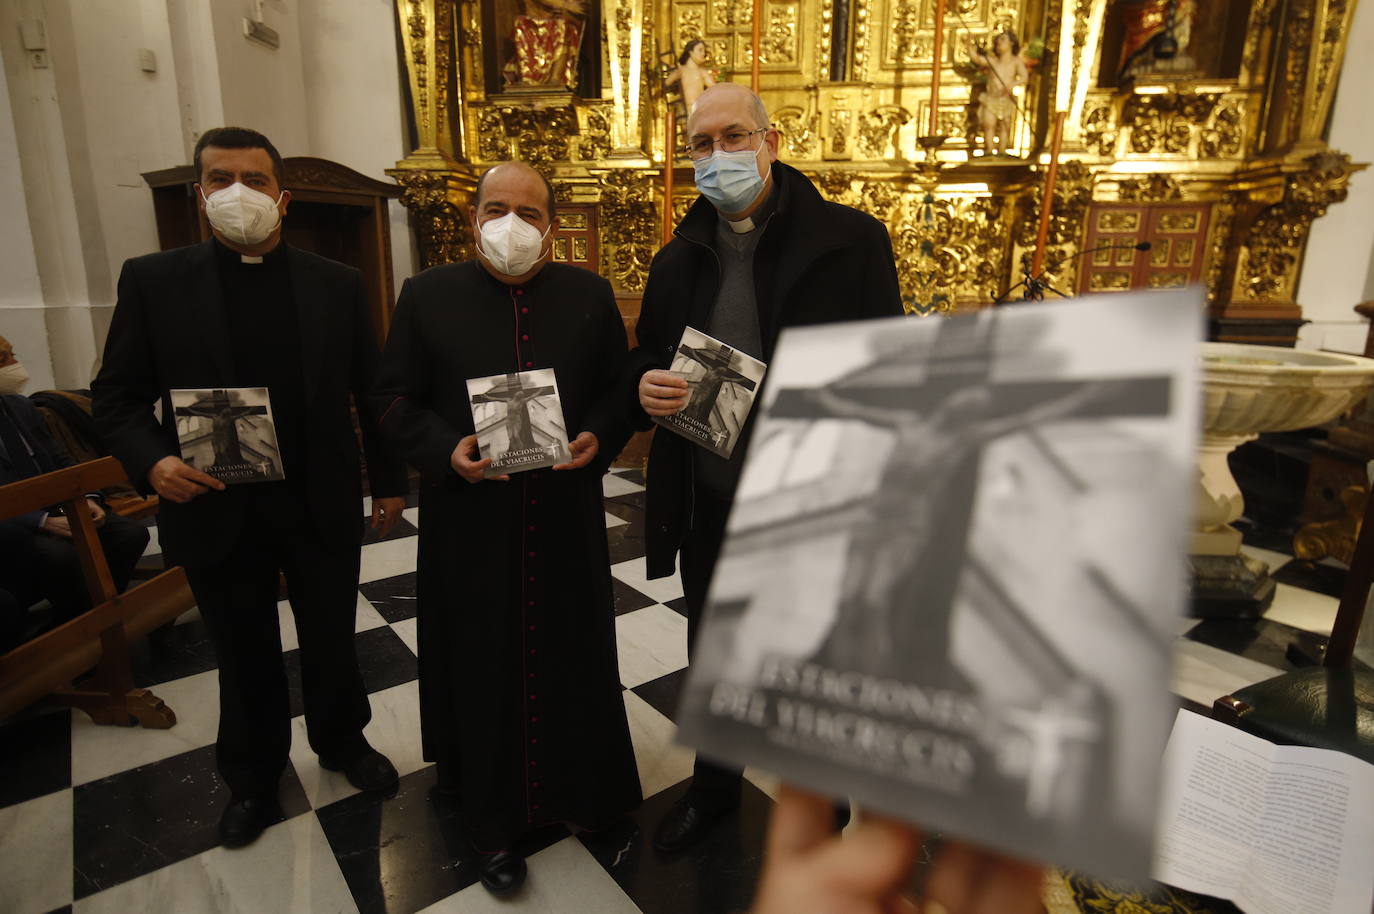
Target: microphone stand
x=1036 y=286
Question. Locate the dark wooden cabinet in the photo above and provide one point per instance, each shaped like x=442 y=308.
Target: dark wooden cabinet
x=334 y=212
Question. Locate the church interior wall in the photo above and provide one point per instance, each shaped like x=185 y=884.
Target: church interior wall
x=21 y=293
x=80 y=130
x=1338 y=272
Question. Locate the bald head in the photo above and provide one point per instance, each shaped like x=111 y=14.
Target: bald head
x=732 y=100
x=518 y=173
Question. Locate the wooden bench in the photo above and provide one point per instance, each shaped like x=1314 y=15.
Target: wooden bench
x=97 y=640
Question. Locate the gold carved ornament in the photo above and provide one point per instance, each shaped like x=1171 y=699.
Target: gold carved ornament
x=1155 y=188
x=1223 y=218
x=441 y=228
x=629 y=222
x=1274 y=241
x=1166 y=123
x=1073 y=193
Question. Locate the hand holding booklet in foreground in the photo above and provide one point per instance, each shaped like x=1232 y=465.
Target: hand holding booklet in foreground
x=1273 y=829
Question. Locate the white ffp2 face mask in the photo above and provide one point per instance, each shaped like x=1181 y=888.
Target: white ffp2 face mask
x=511 y=244
x=241 y=214
x=13 y=378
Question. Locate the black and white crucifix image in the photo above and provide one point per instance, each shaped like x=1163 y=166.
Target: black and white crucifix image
x=722 y=384
x=519 y=420
x=228 y=433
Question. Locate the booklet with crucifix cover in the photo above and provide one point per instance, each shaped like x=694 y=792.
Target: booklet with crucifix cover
x=228 y=433
x=721 y=385
x=953 y=570
x=519 y=421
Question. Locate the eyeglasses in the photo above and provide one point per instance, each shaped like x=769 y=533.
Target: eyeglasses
x=734 y=141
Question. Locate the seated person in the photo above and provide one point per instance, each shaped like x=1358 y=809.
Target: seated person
x=37 y=557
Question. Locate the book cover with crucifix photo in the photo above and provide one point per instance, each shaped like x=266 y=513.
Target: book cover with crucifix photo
x=228 y=433
x=722 y=383
x=953 y=570
x=519 y=421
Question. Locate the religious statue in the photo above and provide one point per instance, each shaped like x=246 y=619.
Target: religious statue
x=548 y=40
x=691 y=73
x=1006 y=70
x=1158 y=35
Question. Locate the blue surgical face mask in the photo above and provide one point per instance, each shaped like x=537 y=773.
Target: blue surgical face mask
x=730 y=180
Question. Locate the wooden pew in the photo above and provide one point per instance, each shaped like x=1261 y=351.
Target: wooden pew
x=97 y=640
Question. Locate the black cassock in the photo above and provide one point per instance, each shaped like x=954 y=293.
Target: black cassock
x=519 y=682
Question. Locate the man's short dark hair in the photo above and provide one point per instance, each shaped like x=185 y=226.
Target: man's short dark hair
x=239 y=138
x=548 y=188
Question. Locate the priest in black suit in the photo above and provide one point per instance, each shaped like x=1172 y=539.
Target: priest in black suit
x=520 y=700
x=246 y=310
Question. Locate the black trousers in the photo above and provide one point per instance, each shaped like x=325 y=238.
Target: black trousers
x=713 y=786
x=56 y=570
x=238 y=600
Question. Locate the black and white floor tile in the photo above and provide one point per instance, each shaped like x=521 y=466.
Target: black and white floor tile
x=108 y=819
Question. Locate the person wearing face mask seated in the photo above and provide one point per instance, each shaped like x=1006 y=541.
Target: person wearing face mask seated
x=38 y=559
x=246 y=310
x=758 y=251
x=520 y=703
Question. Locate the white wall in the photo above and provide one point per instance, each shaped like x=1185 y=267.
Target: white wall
x=1338 y=272
x=353 y=98
x=21 y=293
x=76 y=135
x=261 y=87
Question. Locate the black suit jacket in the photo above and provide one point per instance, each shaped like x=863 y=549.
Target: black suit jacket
x=169 y=331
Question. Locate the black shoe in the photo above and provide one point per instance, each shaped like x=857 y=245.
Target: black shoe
x=245 y=819
x=369 y=770
x=686 y=824
x=501 y=873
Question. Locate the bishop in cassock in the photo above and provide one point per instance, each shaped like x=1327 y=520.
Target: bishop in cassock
x=520 y=703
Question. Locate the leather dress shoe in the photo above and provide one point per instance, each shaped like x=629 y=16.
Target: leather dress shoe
x=244 y=819
x=369 y=770
x=501 y=873
x=686 y=824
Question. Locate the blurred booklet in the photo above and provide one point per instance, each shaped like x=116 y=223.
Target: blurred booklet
x=953 y=567
x=721 y=385
x=519 y=421
x=228 y=433
x=1272 y=829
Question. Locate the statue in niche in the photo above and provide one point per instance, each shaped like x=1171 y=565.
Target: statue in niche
x=692 y=75
x=1005 y=70
x=547 y=40
x=1158 y=36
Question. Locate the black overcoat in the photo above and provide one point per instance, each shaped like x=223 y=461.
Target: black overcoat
x=519 y=683
x=818 y=262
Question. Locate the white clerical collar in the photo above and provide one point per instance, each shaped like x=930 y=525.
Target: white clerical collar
x=249 y=258
x=742 y=227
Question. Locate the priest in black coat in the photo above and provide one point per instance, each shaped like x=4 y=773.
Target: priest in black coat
x=245 y=309
x=520 y=701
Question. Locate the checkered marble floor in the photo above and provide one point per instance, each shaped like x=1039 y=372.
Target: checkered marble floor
x=107 y=819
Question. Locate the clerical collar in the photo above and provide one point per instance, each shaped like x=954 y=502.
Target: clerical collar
x=232 y=258
x=758 y=217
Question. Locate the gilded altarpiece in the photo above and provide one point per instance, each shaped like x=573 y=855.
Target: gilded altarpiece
x=1217 y=152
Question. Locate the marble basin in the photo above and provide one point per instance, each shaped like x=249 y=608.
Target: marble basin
x=1252 y=389
x=1248 y=390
